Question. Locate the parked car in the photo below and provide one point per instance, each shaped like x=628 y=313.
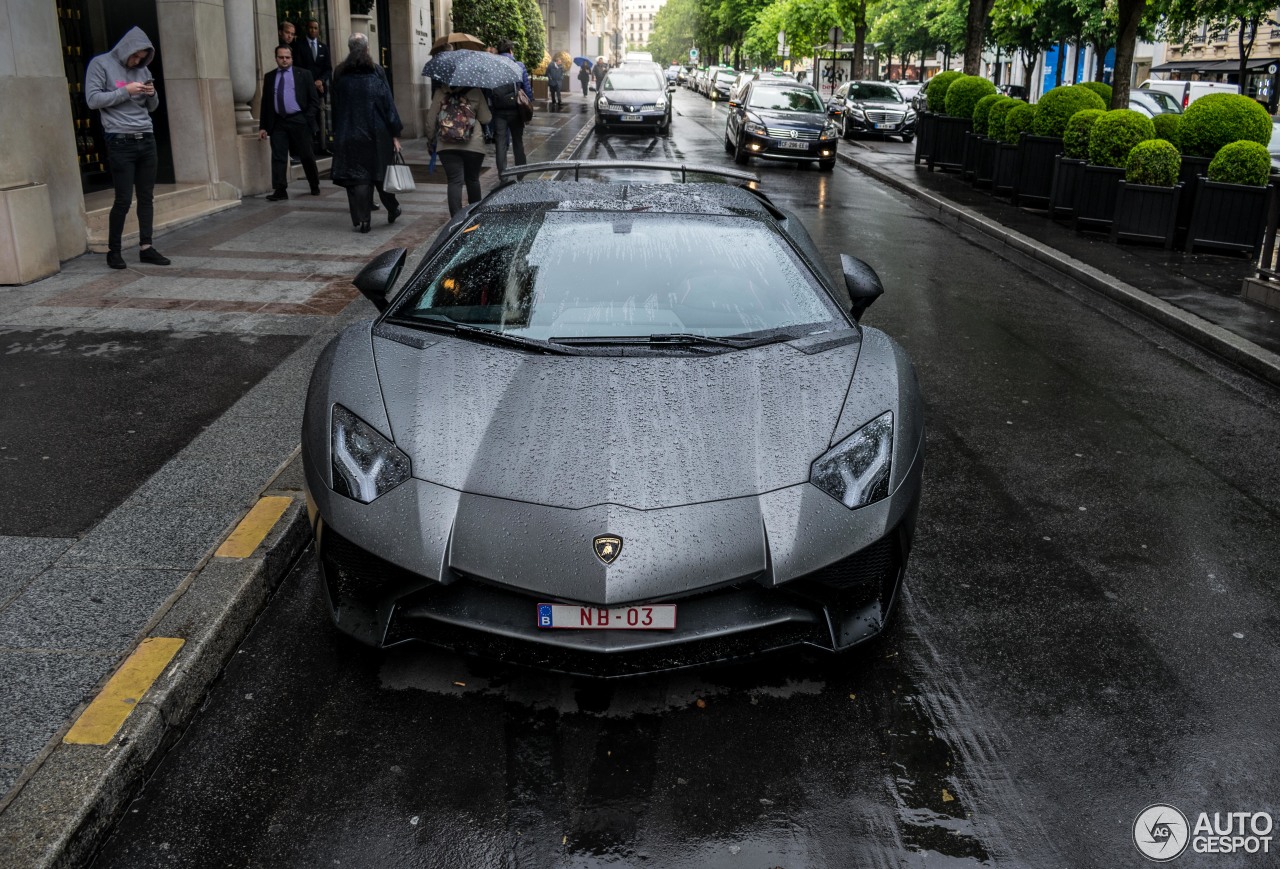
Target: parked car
x=633 y=95
x=909 y=90
x=876 y=107
x=721 y=83
x=1152 y=103
x=462 y=449
x=781 y=122
x=673 y=73
x=835 y=102
x=739 y=86
x=1187 y=92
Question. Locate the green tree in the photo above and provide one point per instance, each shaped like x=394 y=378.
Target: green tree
x=535 y=31
x=674 y=31
x=493 y=21
x=1181 y=19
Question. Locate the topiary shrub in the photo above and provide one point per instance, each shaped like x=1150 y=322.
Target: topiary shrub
x=1114 y=135
x=1167 y=126
x=964 y=93
x=1102 y=90
x=936 y=94
x=1220 y=119
x=1154 y=162
x=1244 y=162
x=1019 y=119
x=1075 y=138
x=981 y=110
x=1058 y=105
x=997 y=114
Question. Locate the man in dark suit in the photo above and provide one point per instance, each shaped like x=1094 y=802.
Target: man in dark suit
x=312 y=54
x=289 y=102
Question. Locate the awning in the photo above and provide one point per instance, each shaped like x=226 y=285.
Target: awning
x=1205 y=65
x=1177 y=65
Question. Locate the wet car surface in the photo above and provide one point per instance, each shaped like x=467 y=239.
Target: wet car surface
x=1087 y=628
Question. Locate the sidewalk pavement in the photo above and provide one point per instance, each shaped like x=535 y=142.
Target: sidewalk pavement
x=1196 y=295
x=149 y=581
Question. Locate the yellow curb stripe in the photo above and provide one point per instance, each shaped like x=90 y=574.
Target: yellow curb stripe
x=254 y=527
x=100 y=722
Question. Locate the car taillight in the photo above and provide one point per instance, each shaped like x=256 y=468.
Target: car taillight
x=1186 y=98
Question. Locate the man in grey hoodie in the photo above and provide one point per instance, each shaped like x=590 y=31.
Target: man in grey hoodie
x=119 y=85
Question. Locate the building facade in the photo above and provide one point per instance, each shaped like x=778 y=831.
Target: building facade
x=637 y=21
x=55 y=192
x=1215 y=56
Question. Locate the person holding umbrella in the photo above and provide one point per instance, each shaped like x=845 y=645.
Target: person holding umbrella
x=451 y=127
x=584 y=73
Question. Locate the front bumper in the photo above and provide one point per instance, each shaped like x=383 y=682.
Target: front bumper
x=631 y=119
x=863 y=125
x=392 y=587
x=787 y=149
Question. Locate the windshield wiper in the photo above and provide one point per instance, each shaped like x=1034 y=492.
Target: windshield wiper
x=671 y=339
x=479 y=333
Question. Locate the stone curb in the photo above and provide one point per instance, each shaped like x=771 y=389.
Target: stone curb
x=67 y=807
x=1221 y=342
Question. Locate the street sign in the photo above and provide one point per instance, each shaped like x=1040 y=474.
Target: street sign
x=693 y=54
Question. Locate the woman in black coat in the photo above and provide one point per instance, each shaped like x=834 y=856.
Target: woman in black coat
x=366 y=130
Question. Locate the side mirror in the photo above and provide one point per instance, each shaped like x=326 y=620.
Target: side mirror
x=377 y=278
x=862 y=282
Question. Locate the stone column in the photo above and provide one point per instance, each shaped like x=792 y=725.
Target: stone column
x=242 y=56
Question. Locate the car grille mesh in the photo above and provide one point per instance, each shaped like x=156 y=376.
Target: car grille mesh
x=875 y=564
x=884 y=117
x=357 y=574
x=800 y=135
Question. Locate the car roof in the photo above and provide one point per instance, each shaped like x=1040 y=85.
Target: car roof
x=587 y=196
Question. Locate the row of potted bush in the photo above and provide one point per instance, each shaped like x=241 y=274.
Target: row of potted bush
x=1204 y=174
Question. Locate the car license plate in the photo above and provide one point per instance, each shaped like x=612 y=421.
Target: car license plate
x=885 y=126
x=654 y=617
x=794 y=146
x=632 y=118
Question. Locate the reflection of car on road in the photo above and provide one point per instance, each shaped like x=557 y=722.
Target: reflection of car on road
x=634 y=95
x=781 y=122
x=876 y=107
x=611 y=428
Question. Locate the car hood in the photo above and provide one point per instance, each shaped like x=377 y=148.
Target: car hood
x=792 y=120
x=640 y=432
x=635 y=98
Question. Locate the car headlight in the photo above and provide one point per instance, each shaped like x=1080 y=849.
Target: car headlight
x=756 y=127
x=855 y=111
x=365 y=464
x=910 y=115
x=660 y=104
x=830 y=132
x=856 y=471
x=602 y=104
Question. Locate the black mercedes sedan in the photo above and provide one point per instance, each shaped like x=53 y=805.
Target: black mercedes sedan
x=634 y=95
x=876 y=107
x=780 y=121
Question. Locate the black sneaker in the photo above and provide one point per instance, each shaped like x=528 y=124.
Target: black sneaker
x=115 y=260
x=153 y=256
x=278 y=196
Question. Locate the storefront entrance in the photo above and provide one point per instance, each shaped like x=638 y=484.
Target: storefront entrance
x=89 y=28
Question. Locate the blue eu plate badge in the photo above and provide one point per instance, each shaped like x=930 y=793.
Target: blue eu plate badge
x=544 y=615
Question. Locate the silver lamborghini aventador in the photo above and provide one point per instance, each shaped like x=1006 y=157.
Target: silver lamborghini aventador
x=609 y=428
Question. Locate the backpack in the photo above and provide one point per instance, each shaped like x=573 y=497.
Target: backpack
x=457 y=119
x=505 y=97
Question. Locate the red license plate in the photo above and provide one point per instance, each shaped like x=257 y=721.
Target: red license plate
x=652 y=617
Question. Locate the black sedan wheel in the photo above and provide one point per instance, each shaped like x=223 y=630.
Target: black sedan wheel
x=740 y=155
x=728 y=145
x=907 y=137
x=845 y=131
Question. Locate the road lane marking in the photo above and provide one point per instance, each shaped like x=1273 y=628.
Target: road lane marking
x=254 y=527
x=100 y=722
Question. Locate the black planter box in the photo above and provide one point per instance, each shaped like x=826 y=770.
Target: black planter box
x=1035 y=170
x=969 y=165
x=1145 y=213
x=1096 y=197
x=1228 y=216
x=1005 y=177
x=1066 y=183
x=1188 y=175
x=985 y=170
x=924 y=136
x=949 y=136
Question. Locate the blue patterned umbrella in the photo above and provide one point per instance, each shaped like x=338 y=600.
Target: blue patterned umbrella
x=583 y=61
x=473 y=69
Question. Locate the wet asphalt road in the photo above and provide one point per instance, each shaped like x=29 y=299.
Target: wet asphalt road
x=1089 y=627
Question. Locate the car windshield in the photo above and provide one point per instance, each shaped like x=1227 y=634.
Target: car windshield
x=574 y=274
x=1167 y=102
x=879 y=92
x=628 y=80
x=785 y=99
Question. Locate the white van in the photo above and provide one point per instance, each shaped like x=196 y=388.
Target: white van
x=1187 y=92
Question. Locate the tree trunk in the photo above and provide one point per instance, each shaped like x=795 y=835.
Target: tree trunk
x=1246 y=48
x=1126 y=39
x=1058 y=66
x=859 y=46
x=1100 y=50
x=975 y=26
x=1028 y=71
x=996 y=77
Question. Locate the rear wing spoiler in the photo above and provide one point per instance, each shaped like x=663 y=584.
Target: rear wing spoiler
x=576 y=166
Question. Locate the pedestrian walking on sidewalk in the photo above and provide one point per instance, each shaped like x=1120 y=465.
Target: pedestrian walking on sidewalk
x=366 y=132
x=119 y=86
x=598 y=72
x=289 y=102
x=584 y=78
x=555 y=79
x=506 y=111
x=454 y=121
